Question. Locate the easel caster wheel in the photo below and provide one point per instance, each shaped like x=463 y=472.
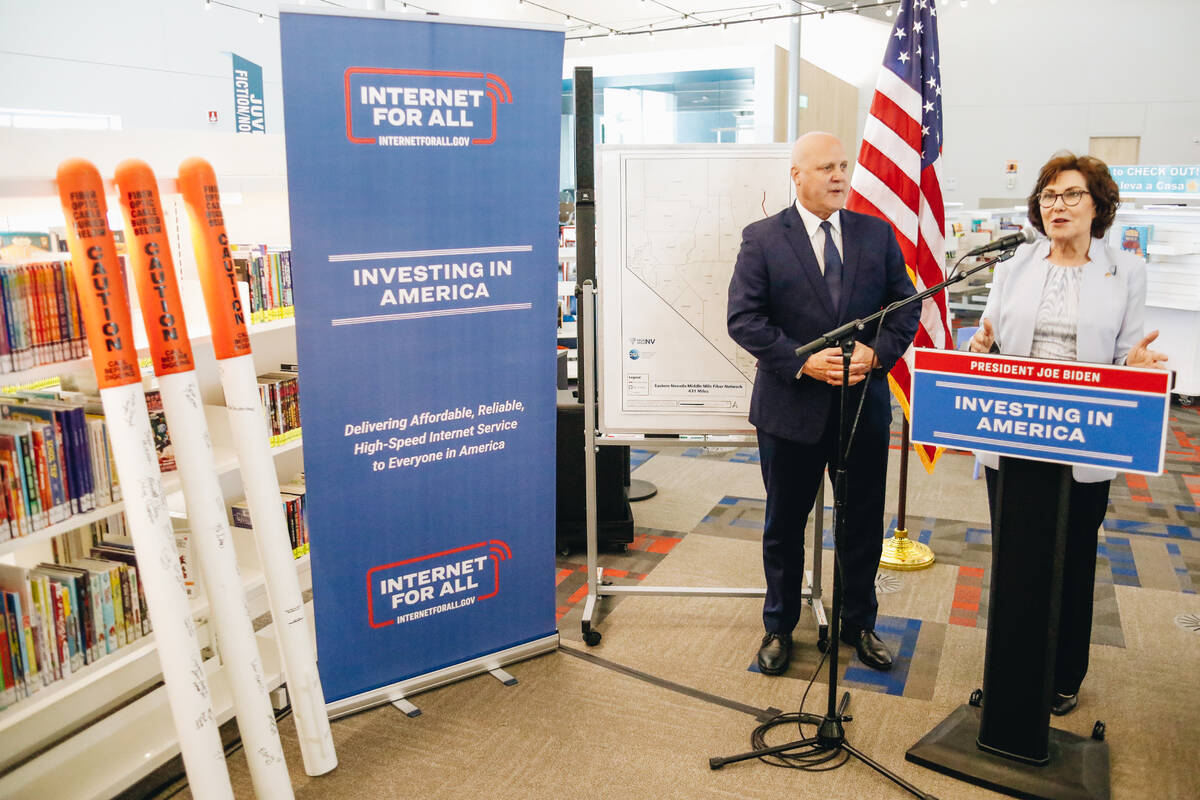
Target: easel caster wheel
x=1098 y=731
x=976 y=698
x=591 y=638
x=823 y=644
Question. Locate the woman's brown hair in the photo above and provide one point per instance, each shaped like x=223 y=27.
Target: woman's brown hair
x=1100 y=185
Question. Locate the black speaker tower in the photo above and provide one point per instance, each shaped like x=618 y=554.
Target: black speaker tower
x=585 y=203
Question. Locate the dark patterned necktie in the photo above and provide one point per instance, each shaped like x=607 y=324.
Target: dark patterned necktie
x=833 y=266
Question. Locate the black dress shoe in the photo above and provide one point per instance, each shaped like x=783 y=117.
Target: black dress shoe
x=774 y=653
x=1063 y=704
x=871 y=649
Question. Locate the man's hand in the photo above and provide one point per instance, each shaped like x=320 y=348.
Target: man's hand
x=826 y=365
x=982 y=341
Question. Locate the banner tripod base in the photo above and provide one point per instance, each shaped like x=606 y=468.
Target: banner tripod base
x=641 y=490
x=900 y=552
x=1077 y=769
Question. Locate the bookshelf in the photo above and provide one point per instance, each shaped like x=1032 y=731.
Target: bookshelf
x=109 y=721
x=226 y=463
x=967 y=229
x=107 y=725
x=1170 y=243
x=127 y=745
x=567 y=328
x=1167 y=237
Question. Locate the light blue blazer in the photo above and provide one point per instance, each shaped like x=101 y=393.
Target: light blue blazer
x=1112 y=310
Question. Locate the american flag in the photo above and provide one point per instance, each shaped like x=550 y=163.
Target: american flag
x=898 y=175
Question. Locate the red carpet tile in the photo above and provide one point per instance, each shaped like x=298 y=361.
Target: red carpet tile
x=653 y=544
x=1139 y=490
x=1193 y=486
x=965 y=608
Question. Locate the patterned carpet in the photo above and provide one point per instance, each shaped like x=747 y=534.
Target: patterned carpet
x=673 y=681
x=1150 y=540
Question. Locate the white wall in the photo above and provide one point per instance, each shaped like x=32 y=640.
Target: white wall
x=1024 y=78
x=164 y=64
x=250 y=169
x=159 y=64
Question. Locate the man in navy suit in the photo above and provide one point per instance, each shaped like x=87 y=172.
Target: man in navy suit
x=800 y=273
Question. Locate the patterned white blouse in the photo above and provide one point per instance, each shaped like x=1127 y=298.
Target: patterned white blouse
x=1057 y=321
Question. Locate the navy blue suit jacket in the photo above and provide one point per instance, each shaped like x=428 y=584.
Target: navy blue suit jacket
x=778 y=301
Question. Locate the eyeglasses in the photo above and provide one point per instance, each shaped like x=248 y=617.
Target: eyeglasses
x=1070 y=197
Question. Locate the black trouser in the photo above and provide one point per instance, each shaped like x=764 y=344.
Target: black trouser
x=1085 y=512
x=791 y=473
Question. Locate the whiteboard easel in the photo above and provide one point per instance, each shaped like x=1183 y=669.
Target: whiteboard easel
x=591 y=438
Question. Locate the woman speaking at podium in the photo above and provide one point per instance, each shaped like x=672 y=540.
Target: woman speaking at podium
x=1070 y=297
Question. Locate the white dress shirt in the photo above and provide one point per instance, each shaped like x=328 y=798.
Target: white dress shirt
x=816 y=234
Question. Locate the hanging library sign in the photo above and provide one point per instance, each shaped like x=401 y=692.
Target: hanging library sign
x=249 y=112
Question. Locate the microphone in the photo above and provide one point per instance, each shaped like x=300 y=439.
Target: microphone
x=1026 y=234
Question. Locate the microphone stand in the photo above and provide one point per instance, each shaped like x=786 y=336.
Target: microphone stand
x=831 y=735
x=834 y=337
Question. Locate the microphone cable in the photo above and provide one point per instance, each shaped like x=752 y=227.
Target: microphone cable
x=812 y=758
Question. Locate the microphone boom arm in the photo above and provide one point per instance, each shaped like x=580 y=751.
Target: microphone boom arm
x=833 y=337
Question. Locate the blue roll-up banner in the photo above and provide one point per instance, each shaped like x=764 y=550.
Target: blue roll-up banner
x=423 y=167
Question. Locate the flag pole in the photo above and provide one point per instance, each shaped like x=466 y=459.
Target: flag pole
x=901 y=552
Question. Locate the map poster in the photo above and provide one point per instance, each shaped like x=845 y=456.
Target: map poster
x=671 y=221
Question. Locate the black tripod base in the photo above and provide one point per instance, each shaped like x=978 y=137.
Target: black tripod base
x=829 y=738
x=1078 y=767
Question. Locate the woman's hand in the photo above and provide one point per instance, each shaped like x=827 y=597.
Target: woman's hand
x=1142 y=356
x=983 y=339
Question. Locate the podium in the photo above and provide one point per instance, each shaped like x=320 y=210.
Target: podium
x=1042 y=417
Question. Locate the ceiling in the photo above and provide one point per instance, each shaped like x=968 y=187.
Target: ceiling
x=591 y=19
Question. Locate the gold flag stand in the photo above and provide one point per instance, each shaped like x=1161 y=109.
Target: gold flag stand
x=900 y=552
